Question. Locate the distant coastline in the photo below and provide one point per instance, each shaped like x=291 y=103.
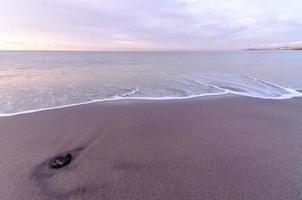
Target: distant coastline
x=297 y=45
x=276 y=49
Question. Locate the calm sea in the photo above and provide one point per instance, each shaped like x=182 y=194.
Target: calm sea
x=33 y=80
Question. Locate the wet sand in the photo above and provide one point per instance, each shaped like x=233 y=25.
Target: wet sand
x=203 y=148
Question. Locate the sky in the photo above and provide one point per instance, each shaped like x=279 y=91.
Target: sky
x=147 y=24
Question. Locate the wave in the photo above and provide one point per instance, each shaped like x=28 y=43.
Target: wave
x=126 y=94
x=117 y=98
x=246 y=86
x=191 y=86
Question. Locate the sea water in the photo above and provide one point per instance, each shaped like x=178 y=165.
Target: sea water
x=37 y=80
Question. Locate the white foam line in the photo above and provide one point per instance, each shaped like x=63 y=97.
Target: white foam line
x=283 y=97
x=128 y=93
x=112 y=99
x=291 y=94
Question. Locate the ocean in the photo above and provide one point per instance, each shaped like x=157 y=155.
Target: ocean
x=37 y=80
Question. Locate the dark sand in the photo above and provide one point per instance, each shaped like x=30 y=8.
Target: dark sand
x=210 y=148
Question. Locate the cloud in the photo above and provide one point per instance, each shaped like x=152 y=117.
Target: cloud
x=146 y=24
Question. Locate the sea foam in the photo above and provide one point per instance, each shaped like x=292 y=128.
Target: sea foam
x=174 y=87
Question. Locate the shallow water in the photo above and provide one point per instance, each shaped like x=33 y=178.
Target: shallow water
x=39 y=80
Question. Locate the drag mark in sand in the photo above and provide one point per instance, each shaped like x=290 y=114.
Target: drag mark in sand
x=46 y=178
x=43 y=177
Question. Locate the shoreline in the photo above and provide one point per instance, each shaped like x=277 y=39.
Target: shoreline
x=205 y=95
x=202 y=148
x=115 y=99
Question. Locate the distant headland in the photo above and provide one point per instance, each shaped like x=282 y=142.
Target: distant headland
x=280 y=48
x=277 y=46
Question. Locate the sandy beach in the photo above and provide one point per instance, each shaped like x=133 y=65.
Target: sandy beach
x=203 y=148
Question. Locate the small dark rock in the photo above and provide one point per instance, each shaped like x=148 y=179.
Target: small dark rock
x=60 y=161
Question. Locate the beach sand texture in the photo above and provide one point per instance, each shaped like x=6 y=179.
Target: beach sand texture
x=202 y=148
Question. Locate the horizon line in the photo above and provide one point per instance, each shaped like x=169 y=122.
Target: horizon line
x=159 y=50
